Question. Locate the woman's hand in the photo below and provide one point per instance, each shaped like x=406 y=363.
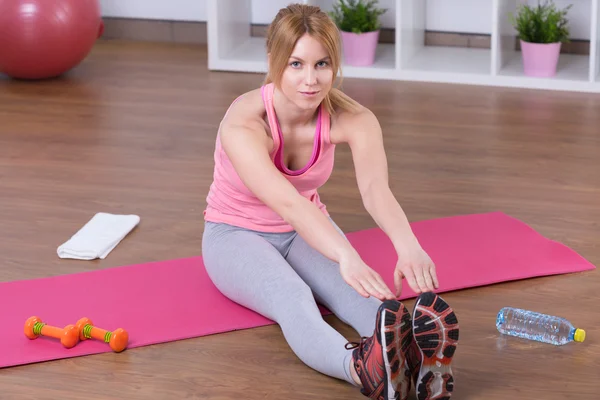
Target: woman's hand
x=418 y=268
x=364 y=279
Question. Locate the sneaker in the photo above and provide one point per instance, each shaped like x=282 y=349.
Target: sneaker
x=413 y=359
x=435 y=330
x=379 y=359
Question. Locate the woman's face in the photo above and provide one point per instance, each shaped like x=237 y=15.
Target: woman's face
x=308 y=76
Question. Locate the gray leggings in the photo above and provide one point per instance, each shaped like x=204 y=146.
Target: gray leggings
x=279 y=276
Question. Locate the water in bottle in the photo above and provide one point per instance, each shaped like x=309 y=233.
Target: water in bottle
x=535 y=326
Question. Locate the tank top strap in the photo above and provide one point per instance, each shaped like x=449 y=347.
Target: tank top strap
x=325 y=125
x=267 y=95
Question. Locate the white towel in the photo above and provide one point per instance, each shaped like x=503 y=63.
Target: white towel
x=98 y=237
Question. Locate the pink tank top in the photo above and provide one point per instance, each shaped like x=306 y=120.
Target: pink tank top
x=229 y=200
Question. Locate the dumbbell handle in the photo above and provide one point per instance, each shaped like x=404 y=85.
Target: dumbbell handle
x=40 y=328
x=90 y=331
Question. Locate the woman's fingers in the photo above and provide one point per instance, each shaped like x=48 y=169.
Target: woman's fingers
x=380 y=284
x=371 y=288
x=428 y=279
x=356 y=285
x=398 y=276
x=412 y=282
x=369 y=283
x=373 y=283
x=434 y=276
x=420 y=277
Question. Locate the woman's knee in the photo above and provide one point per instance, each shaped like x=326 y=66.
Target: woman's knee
x=295 y=306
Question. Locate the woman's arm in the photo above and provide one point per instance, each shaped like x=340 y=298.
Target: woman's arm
x=363 y=134
x=246 y=145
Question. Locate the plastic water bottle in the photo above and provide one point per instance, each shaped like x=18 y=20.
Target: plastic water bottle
x=535 y=326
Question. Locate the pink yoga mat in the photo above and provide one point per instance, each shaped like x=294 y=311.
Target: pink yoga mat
x=172 y=300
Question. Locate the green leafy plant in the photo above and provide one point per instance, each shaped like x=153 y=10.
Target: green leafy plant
x=543 y=23
x=357 y=16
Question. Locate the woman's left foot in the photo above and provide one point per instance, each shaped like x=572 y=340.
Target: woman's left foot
x=379 y=359
x=435 y=330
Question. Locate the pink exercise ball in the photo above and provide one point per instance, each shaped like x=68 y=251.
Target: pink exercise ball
x=42 y=39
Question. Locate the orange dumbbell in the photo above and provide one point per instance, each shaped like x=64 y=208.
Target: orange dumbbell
x=117 y=339
x=34 y=327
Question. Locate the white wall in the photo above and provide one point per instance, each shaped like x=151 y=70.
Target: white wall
x=177 y=10
x=442 y=15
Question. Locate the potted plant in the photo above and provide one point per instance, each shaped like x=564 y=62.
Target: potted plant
x=359 y=25
x=541 y=31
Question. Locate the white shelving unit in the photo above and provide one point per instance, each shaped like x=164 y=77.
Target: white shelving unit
x=232 y=48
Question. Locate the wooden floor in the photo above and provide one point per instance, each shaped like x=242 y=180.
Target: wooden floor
x=132 y=131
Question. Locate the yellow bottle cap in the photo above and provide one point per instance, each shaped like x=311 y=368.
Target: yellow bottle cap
x=579 y=335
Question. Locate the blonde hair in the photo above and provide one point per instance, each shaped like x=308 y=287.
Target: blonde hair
x=287 y=27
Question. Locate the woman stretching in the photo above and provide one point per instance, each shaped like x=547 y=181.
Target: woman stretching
x=270 y=245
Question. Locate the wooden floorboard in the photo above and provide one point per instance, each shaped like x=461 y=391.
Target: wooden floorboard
x=132 y=130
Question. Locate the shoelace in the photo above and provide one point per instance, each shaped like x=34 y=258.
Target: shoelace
x=353 y=345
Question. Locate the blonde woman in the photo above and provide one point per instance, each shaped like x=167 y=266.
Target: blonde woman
x=270 y=245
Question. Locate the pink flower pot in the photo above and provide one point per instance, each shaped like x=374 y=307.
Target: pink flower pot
x=540 y=59
x=359 y=48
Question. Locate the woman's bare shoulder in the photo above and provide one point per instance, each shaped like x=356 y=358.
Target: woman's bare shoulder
x=345 y=122
x=245 y=117
x=247 y=108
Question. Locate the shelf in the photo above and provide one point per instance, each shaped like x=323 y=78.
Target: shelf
x=571 y=67
x=452 y=60
x=232 y=48
x=572 y=75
